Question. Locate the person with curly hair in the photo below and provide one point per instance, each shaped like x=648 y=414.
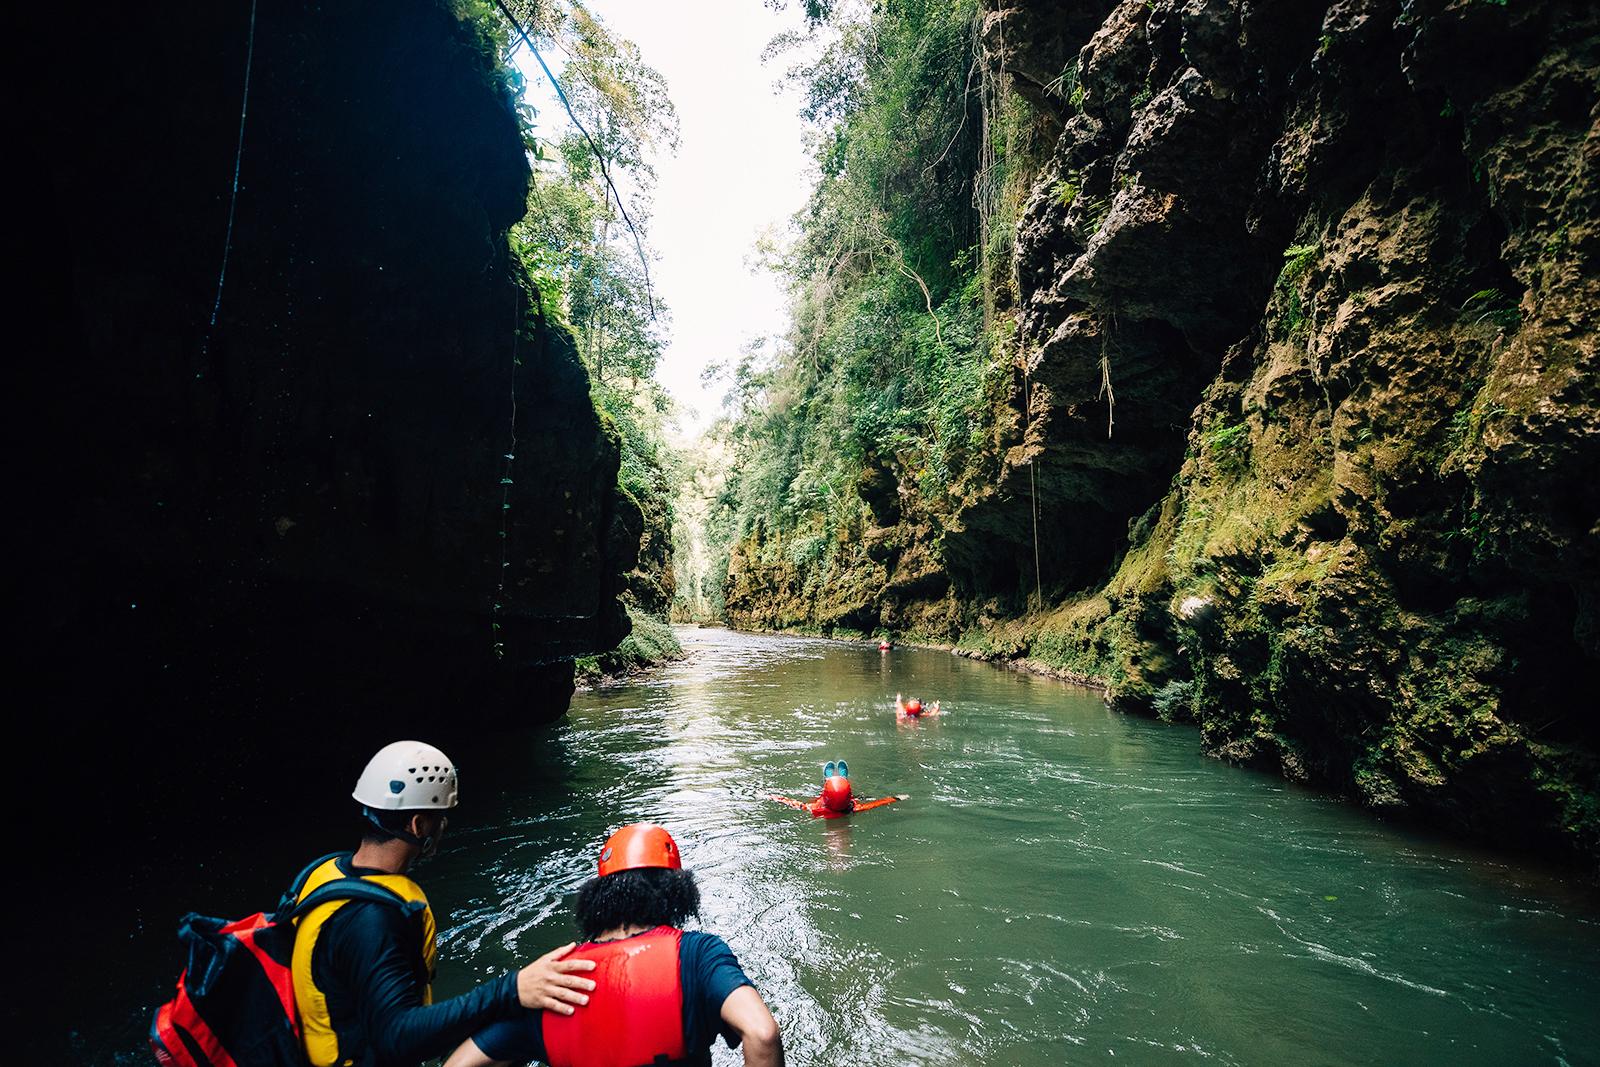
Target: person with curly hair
x=662 y=994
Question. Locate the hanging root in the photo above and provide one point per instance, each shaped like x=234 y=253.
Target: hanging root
x=1033 y=489
x=1038 y=584
x=1105 y=384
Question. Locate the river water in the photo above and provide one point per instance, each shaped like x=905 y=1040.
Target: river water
x=1065 y=884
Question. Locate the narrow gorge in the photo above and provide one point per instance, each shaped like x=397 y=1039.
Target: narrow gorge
x=1276 y=324
x=957 y=376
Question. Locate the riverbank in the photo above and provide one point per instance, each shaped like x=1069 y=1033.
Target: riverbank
x=648 y=645
x=996 y=647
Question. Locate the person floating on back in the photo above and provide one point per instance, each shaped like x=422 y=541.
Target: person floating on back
x=913 y=709
x=663 y=993
x=837 y=799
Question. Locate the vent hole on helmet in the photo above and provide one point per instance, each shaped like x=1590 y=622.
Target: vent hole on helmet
x=412 y=770
x=419 y=779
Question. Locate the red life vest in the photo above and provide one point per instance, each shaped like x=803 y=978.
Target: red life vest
x=635 y=1014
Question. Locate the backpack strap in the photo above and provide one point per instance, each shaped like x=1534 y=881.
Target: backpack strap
x=351 y=889
x=290 y=895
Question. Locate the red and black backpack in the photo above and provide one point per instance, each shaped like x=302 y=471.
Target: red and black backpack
x=235 y=1004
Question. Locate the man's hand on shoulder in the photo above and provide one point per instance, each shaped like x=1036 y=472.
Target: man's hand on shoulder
x=551 y=983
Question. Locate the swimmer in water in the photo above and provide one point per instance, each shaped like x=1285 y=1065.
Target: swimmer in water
x=913 y=709
x=837 y=799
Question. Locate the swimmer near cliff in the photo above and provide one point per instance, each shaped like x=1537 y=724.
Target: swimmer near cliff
x=837 y=799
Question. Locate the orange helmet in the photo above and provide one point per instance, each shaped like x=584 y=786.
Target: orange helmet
x=836 y=793
x=640 y=844
x=913 y=706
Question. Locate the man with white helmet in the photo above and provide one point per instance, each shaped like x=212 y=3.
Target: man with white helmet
x=363 y=969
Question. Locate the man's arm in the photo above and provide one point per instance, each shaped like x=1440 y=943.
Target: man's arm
x=468 y=1054
x=369 y=951
x=746 y=1013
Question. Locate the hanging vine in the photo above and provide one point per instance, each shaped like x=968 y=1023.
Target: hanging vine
x=233 y=197
x=497 y=603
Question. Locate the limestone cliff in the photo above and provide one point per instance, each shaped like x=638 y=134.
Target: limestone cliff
x=292 y=543
x=1304 y=397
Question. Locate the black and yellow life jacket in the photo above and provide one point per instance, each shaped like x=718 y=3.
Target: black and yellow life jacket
x=316 y=1025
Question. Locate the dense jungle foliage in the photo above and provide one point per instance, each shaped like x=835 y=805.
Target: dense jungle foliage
x=894 y=270
x=583 y=243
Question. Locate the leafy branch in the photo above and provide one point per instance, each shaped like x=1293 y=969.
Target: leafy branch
x=600 y=157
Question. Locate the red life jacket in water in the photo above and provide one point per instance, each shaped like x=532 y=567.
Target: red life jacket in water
x=635 y=1014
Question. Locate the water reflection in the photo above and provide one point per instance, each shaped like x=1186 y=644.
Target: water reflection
x=836 y=839
x=1064 y=885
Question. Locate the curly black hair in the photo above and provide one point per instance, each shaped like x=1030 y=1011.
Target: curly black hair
x=648 y=896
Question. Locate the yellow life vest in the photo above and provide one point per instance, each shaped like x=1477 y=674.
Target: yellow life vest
x=316 y=1025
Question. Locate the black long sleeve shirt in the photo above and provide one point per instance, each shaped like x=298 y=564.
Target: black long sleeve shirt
x=368 y=961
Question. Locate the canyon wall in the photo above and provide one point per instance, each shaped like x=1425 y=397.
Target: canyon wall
x=1298 y=435
x=266 y=548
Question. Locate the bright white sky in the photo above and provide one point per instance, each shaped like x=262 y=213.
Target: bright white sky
x=740 y=168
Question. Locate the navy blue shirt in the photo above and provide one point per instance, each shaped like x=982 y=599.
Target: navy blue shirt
x=708 y=970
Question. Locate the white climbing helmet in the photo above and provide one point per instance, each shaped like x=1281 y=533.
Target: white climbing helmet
x=407 y=776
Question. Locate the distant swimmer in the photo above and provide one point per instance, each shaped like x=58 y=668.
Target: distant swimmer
x=913 y=709
x=884 y=645
x=836 y=799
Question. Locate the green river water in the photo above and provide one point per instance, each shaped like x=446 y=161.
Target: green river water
x=1066 y=884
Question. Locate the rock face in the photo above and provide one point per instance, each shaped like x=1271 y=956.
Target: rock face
x=652 y=584
x=1306 y=399
x=288 y=538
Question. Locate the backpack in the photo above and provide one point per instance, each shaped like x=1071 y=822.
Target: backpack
x=235 y=1004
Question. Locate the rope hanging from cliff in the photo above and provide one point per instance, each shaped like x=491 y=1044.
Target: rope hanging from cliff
x=1033 y=490
x=233 y=199
x=600 y=158
x=510 y=456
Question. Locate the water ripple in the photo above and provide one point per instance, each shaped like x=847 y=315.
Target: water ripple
x=1065 y=885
